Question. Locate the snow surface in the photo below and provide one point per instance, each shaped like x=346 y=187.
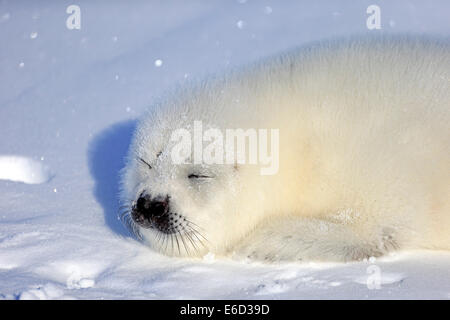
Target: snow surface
x=68 y=104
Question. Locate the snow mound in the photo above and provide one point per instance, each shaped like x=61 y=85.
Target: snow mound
x=22 y=169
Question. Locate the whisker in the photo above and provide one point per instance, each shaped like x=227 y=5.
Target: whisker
x=171 y=241
x=178 y=244
x=184 y=243
x=199 y=233
x=137 y=233
x=145 y=162
x=191 y=241
x=196 y=225
x=200 y=240
x=166 y=241
x=124 y=216
x=158 y=236
x=161 y=240
x=190 y=236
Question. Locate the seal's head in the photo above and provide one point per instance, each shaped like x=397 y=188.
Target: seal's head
x=182 y=209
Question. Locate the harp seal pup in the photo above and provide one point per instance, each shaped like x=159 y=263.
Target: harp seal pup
x=364 y=157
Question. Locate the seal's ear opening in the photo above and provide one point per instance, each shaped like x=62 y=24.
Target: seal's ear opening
x=236 y=167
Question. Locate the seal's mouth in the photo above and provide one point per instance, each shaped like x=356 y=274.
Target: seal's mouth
x=167 y=223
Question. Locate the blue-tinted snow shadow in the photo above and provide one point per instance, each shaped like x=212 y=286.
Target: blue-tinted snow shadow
x=106 y=155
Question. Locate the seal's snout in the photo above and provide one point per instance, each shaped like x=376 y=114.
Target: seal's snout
x=152 y=208
x=151 y=212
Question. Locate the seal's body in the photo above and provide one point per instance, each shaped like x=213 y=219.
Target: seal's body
x=364 y=157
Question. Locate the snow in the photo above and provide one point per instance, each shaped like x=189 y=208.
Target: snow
x=158 y=63
x=23 y=169
x=68 y=104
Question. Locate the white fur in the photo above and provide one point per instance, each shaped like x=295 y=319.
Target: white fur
x=364 y=154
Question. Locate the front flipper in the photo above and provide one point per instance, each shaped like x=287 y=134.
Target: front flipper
x=303 y=239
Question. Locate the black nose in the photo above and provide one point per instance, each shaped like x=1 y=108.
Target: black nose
x=150 y=209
